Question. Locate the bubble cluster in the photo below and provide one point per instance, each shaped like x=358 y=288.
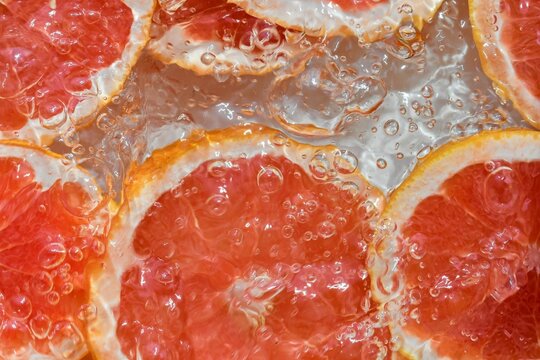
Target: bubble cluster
x=46 y=249
x=290 y=240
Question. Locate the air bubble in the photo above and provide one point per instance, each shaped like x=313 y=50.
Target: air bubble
x=217 y=205
x=381 y=163
x=427 y=91
x=327 y=229
x=67 y=288
x=98 y=247
x=15 y=340
x=217 y=169
x=269 y=180
x=53 y=298
x=87 y=312
x=312 y=205
x=319 y=166
x=502 y=190
x=345 y=162
x=75 y=253
x=208 y=58
x=423 y=152
x=42 y=283
x=391 y=127
x=52 y=114
x=66 y=341
x=40 y=326
x=52 y=255
x=165 y=274
x=19 y=307
x=287 y=231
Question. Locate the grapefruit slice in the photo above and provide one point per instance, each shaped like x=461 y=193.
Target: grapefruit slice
x=240 y=243
x=215 y=37
x=462 y=257
x=370 y=20
x=506 y=35
x=52 y=220
x=63 y=60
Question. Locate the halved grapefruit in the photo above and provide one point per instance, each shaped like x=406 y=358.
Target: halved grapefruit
x=52 y=221
x=241 y=244
x=62 y=60
x=461 y=258
x=370 y=20
x=214 y=37
x=506 y=35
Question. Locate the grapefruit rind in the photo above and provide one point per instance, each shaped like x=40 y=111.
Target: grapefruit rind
x=173 y=47
x=108 y=81
x=48 y=168
x=160 y=173
x=329 y=19
x=426 y=180
x=496 y=62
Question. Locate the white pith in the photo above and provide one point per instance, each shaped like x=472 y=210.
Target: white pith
x=319 y=17
x=176 y=47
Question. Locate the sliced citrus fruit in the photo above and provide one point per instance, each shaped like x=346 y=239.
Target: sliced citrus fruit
x=463 y=260
x=370 y=20
x=506 y=34
x=62 y=60
x=52 y=220
x=240 y=243
x=213 y=36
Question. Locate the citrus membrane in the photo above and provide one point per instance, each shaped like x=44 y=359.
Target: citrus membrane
x=234 y=244
x=458 y=250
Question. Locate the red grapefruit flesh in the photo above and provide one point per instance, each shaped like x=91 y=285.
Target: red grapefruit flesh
x=471 y=259
x=246 y=256
x=212 y=35
x=46 y=244
x=506 y=34
x=62 y=59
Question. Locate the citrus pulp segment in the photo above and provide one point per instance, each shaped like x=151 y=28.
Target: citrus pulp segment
x=370 y=20
x=506 y=35
x=241 y=243
x=52 y=224
x=63 y=60
x=458 y=250
x=215 y=37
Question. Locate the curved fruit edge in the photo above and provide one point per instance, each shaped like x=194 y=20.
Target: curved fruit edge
x=47 y=157
x=425 y=180
x=110 y=80
x=189 y=56
x=496 y=63
x=159 y=171
x=369 y=32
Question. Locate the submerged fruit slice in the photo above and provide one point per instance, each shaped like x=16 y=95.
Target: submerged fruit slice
x=52 y=220
x=370 y=20
x=213 y=36
x=506 y=34
x=241 y=243
x=62 y=60
x=467 y=231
